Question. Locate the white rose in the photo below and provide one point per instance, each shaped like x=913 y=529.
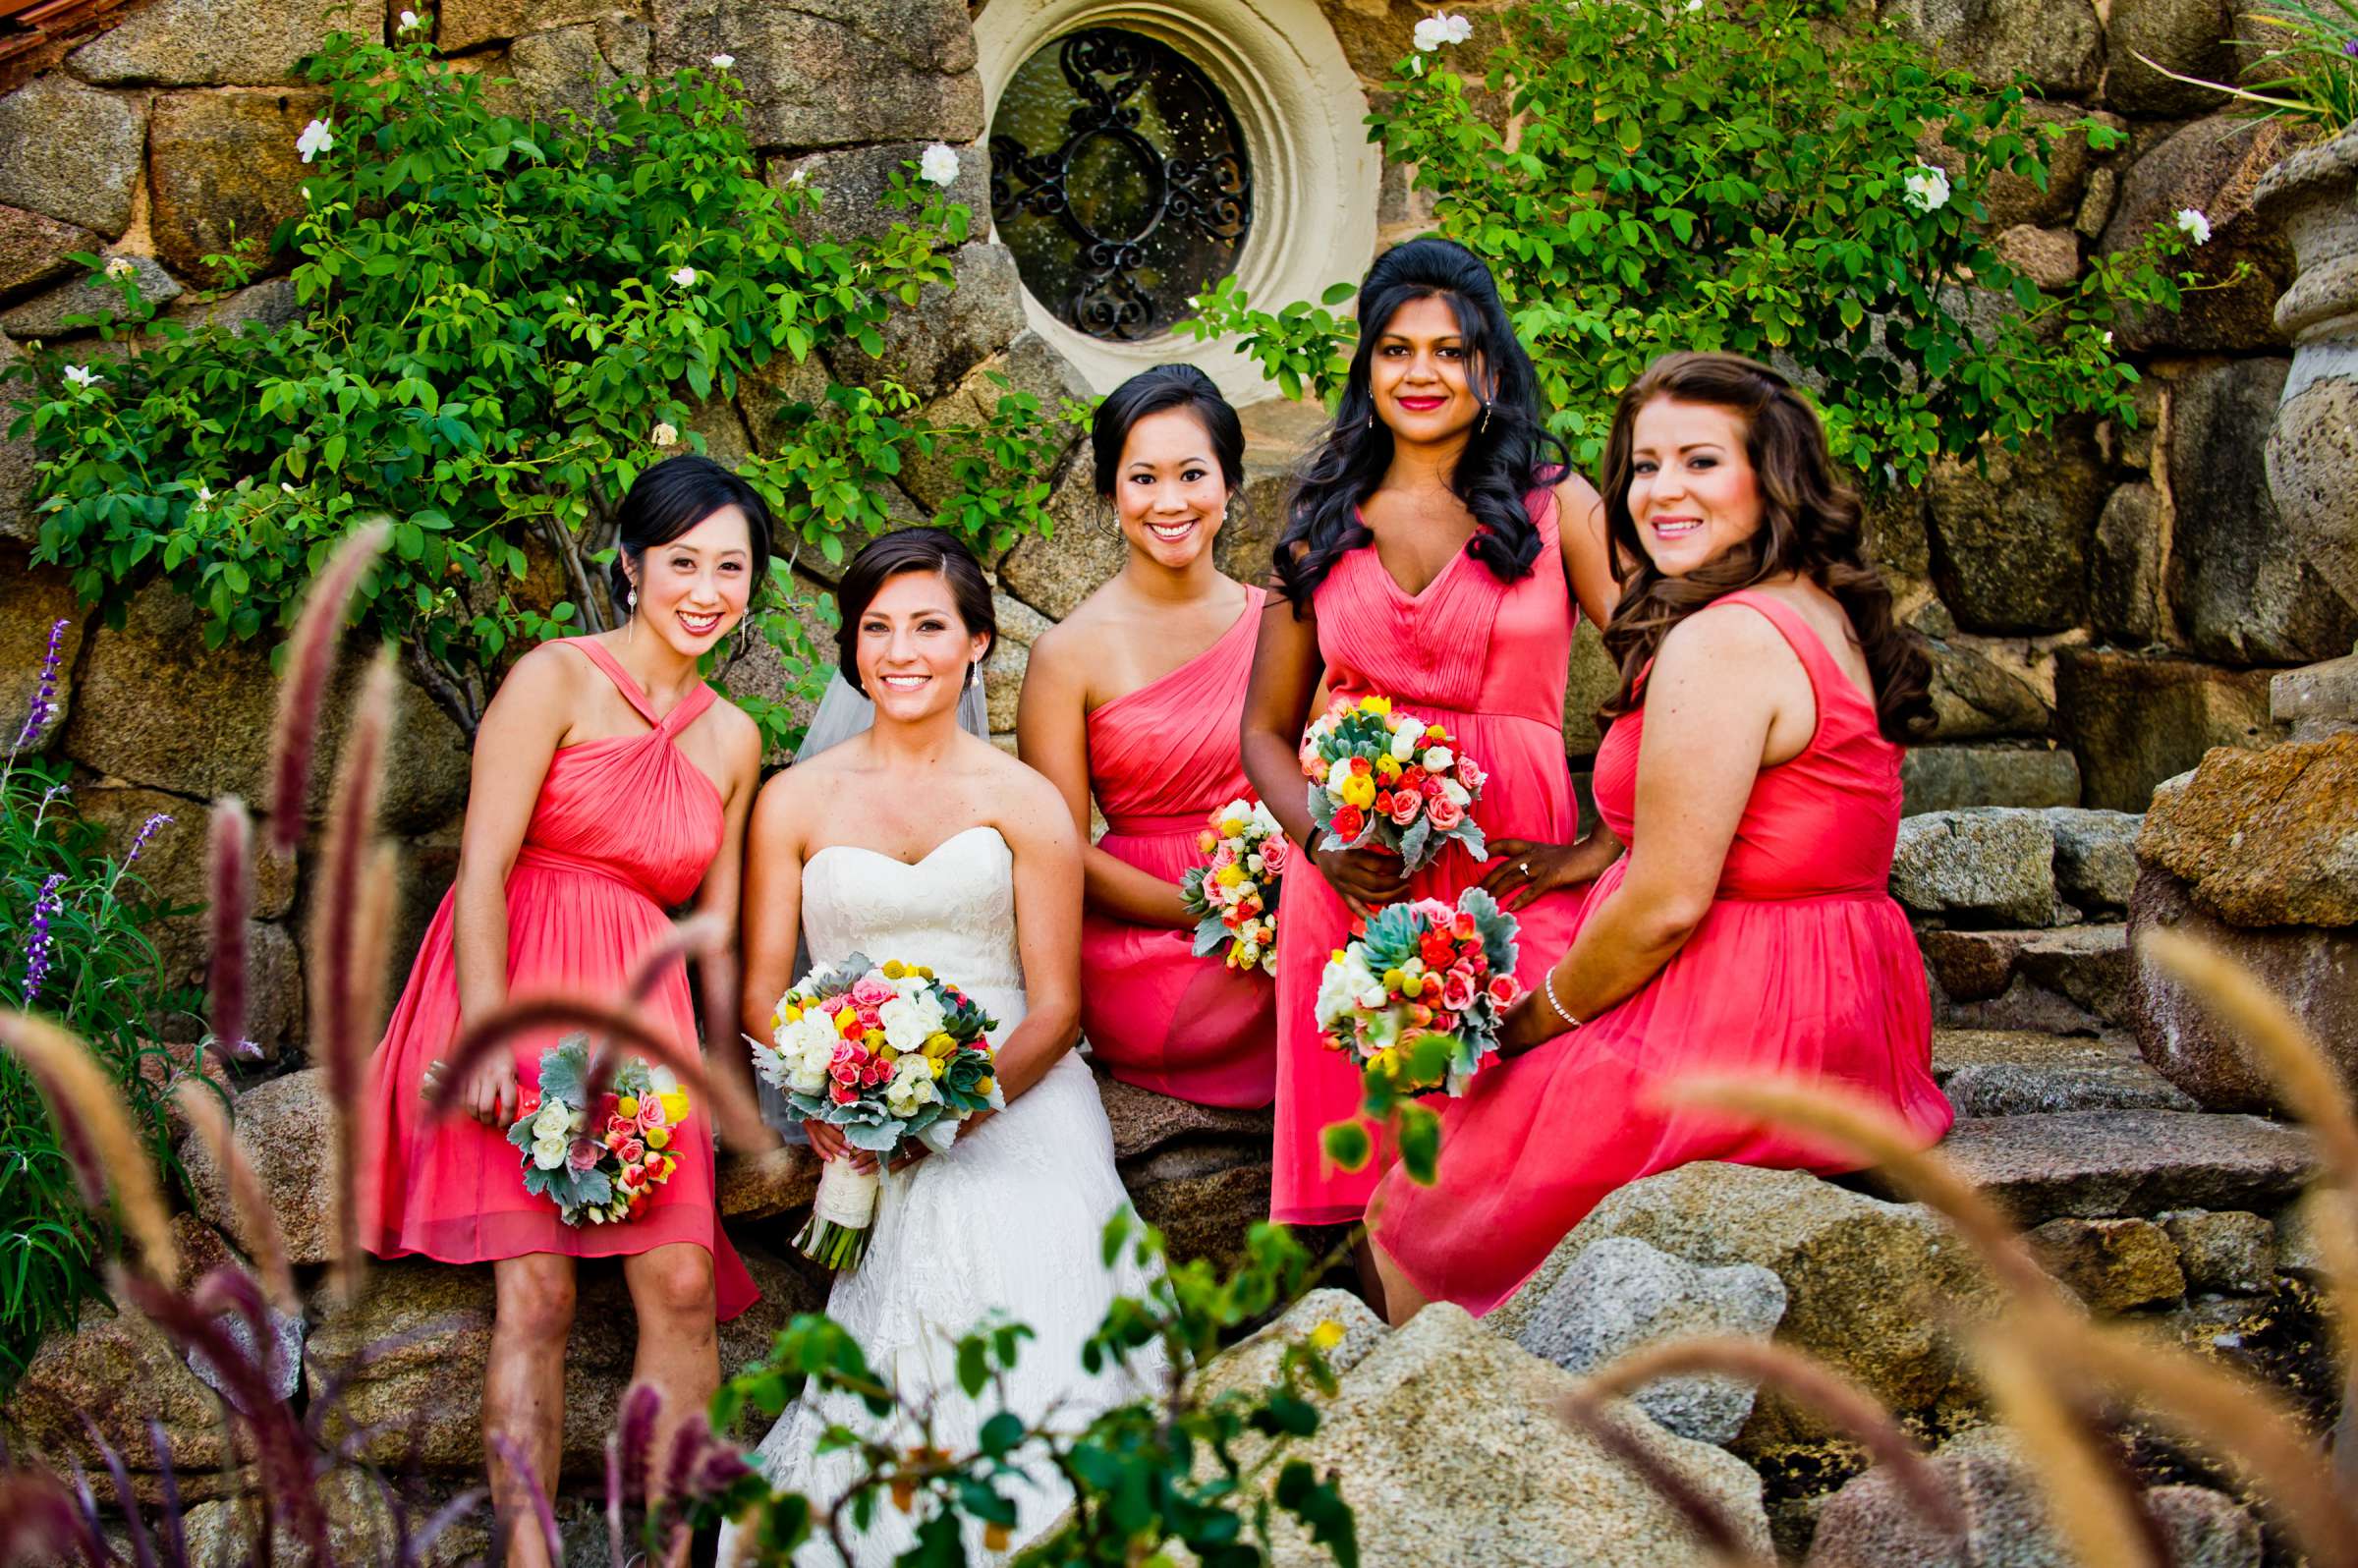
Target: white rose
x=1340 y=986
x=1435 y=30
x=120 y=267
x=907 y=1022
x=410 y=21
x=939 y=165
x=1404 y=742
x=808 y=1077
x=81 y=375
x=548 y=1152
x=203 y=495
x=798 y=177
x=1926 y=188
x=664 y=435
x=1457 y=793
x=576 y=1122
x=1438 y=759
x=2195 y=224
x=722 y=62
x=552 y=1121
x=318 y=136
x=685 y=277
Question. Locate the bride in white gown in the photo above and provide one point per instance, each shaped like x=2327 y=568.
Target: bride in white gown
x=917 y=841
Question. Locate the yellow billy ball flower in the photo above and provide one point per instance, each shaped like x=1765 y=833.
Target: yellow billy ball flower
x=887 y=1055
x=985 y=1084
x=1394 y=981
x=893 y=968
x=627 y=1106
x=1230 y=875
x=658 y=1138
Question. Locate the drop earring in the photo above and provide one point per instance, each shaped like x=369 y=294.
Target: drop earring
x=629 y=611
x=1486 y=421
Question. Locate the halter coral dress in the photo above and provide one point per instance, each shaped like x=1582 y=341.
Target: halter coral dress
x=1162 y=759
x=1803 y=968
x=1489 y=661
x=623 y=831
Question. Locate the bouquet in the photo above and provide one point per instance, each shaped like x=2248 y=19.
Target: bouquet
x=887 y=1052
x=1391 y=779
x=596 y=1162
x=1419 y=972
x=1234 y=899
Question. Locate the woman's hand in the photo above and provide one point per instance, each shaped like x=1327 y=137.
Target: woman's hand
x=1532 y=870
x=828 y=1143
x=1531 y=1022
x=491 y=1097
x=1365 y=878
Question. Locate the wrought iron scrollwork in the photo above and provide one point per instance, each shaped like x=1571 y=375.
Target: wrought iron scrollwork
x=1146 y=200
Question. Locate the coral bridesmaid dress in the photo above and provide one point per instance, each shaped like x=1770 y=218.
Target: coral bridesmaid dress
x=1803 y=968
x=1162 y=759
x=1487 y=660
x=622 y=832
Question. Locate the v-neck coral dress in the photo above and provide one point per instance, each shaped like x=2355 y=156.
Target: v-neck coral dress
x=622 y=834
x=1804 y=968
x=1162 y=759
x=1488 y=659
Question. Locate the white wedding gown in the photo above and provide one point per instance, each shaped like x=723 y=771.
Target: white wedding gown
x=1009 y=1220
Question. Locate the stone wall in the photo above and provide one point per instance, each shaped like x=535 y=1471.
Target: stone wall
x=2103 y=607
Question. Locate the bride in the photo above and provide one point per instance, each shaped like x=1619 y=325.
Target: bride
x=917 y=840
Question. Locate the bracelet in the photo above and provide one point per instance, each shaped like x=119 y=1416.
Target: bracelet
x=1547 y=985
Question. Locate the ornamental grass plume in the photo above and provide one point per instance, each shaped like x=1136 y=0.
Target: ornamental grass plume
x=2093 y=1505
x=303 y=688
x=229 y=886
x=96 y=1134
x=254 y=1218
x=1719 y=1533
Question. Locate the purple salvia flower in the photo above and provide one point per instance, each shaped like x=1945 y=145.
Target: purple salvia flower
x=146 y=832
x=2349 y=46
x=42 y=712
x=45 y=906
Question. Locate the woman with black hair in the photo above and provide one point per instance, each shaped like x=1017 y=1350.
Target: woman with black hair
x=610 y=787
x=1135 y=699
x=1437 y=552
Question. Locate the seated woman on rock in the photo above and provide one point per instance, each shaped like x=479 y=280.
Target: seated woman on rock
x=1135 y=698
x=1753 y=771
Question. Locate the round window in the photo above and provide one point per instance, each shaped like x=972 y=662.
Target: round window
x=1118 y=179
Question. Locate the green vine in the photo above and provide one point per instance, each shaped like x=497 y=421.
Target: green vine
x=501 y=321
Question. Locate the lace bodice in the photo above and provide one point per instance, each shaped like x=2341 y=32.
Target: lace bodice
x=954 y=912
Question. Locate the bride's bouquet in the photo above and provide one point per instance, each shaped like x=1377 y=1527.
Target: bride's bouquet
x=1418 y=973
x=1389 y=779
x=887 y=1052
x=1234 y=899
x=596 y=1162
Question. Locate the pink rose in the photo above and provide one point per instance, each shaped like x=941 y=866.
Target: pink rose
x=843 y=1093
x=1457 y=991
x=872 y=991
x=1505 y=989
x=1223 y=857
x=1405 y=807
x=844 y=1068
x=650 y=1113
x=583 y=1154
x=1431 y=788
x=616 y=1127
x=1469 y=773
x=1445 y=813
x=1275 y=852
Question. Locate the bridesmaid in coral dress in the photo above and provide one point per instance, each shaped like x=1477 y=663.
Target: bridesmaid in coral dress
x=1434 y=554
x=1135 y=698
x=609 y=786
x=1754 y=772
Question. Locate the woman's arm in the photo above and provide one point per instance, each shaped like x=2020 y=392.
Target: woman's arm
x=518 y=735
x=1588 y=554
x=1286 y=667
x=772 y=920
x=1051 y=734
x=723 y=880
x=1047 y=923
x=1718 y=684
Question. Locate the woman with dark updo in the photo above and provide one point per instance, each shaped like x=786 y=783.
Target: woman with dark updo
x=1752 y=771
x=610 y=787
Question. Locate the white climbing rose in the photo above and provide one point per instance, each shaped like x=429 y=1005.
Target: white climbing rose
x=203 y=495
x=120 y=267
x=81 y=375
x=1926 y=187
x=939 y=165
x=685 y=277
x=318 y=136
x=2195 y=224
x=1439 y=29
x=410 y=21
x=722 y=62
x=663 y=434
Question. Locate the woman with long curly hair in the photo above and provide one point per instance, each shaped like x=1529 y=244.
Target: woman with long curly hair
x=1436 y=553
x=1753 y=771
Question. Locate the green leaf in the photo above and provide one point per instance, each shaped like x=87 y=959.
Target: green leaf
x=1347 y=1144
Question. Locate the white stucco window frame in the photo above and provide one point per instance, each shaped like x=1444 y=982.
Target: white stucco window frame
x=1303 y=115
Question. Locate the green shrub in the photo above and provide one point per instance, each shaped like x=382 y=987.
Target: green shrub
x=1644 y=176
x=503 y=321
x=73 y=944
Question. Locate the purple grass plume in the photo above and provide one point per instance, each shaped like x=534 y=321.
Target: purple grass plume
x=311 y=660
x=229 y=887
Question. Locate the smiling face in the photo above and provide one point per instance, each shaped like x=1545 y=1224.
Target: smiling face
x=1420 y=375
x=1170 y=496
x=693 y=589
x=913 y=651
x=1692 y=490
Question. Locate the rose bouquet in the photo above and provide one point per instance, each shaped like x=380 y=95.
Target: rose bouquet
x=1418 y=971
x=1390 y=779
x=596 y=1162
x=1234 y=899
x=887 y=1052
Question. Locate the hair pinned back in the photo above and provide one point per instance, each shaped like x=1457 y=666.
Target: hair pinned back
x=1150 y=392
x=673 y=497
x=1508 y=454
x=896 y=554
x=1809 y=525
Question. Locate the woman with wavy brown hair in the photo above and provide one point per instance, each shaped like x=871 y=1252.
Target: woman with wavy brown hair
x=1753 y=771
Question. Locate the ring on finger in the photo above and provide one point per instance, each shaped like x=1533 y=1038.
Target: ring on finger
x=1524 y=868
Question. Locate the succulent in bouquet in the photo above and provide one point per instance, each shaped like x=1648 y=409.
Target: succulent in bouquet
x=597 y=1159
x=1379 y=776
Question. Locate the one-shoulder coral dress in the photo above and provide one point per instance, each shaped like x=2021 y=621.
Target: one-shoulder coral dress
x=1162 y=759
x=623 y=832
x=1804 y=968
x=1488 y=659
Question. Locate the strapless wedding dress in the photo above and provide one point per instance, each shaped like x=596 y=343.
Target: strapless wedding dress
x=1008 y=1221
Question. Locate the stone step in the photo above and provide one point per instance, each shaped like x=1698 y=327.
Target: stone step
x=2068 y=980
x=2024 y=1073
x=2137 y=1163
